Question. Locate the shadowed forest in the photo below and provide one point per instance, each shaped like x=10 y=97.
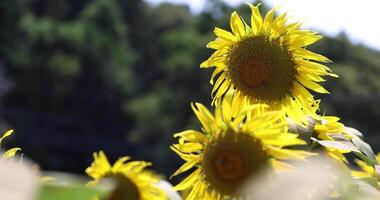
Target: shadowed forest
x=84 y=75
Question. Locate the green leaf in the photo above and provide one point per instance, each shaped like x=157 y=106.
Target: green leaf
x=60 y=192
x=365 y=158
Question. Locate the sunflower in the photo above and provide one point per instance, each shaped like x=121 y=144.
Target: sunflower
x=11 y=152
x=134 y=181
x=231 y=150
x=267 y=62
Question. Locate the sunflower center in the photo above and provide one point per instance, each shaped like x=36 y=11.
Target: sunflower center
x=230 y=159
x=125 y=189
x=255 y=76
x=229 y=165
x=262 y=68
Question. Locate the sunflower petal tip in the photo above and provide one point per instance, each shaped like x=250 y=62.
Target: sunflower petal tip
x=334 y=75
x=204 y=64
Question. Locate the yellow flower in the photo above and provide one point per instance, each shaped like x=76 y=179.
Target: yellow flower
x=135 y=182
x=267 y=62
x=11 y=152
x=231 y=150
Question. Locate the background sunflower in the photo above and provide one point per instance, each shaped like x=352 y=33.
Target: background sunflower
x=267 y=62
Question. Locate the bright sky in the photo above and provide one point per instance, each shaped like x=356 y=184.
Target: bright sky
x=358 y=19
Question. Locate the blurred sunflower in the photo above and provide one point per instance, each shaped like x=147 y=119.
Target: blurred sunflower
x=267 y=62
x=134 y=181
x=11 y=152
x=231 y=150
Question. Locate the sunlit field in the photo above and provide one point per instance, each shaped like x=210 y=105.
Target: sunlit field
x=135 y=100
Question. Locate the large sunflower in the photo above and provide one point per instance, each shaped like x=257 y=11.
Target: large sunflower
x=134 y=181
x=267 y=62
x=11 y=152
x=231 y=150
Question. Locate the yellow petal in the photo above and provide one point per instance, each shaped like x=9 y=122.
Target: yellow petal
x=281 y=166
x=216 y=44
x=365 y=167
x=263 y=120
x=184 y=156
x=193 y=195
x=279 y=153
x=136 y=166
x=6 y=134
x=218 y=82
x=312 y=65
x=204 y=116
x=256 y=19
x=268 y=19
x=11 y=152
x=237 y=25
x=306 y=54
x=188 y=147
x=237 y=103
x=312 y=85
x=191 y=135
x=223 y=88
x=303 y=96
x=284 y=143
x=359 y=174
x=189 y=181
x=279 y=24
x=214 y=73
x=302 y=38
x=119 y=163
x=225 y=35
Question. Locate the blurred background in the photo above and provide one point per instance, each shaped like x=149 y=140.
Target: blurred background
x=78 y=76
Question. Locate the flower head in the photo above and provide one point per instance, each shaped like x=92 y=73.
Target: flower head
x=231 y=150
x=134 y=181
x=267 y=62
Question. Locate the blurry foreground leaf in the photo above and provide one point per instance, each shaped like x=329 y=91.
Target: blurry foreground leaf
x=318 y=179
x=18 y=181
x=67 y=192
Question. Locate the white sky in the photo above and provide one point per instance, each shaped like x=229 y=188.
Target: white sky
x=359 y=19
